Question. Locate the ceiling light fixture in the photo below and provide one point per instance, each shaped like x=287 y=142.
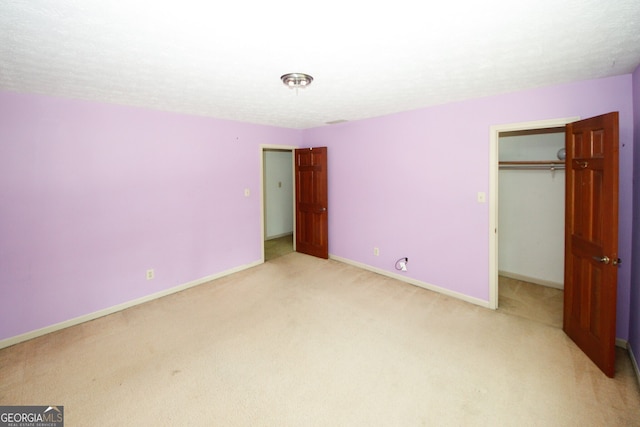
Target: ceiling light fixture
x=296 y=80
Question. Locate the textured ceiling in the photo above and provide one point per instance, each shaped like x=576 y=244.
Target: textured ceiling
x=225 y=59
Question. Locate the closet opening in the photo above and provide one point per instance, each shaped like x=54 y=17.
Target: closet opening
x=531 y=218
x=538 y=158
x=278 y=186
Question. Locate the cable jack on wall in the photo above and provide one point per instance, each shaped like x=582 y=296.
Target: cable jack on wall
x=401 y=264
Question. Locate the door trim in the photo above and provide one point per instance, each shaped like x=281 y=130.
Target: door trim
x=263 y=148
x=494 y=134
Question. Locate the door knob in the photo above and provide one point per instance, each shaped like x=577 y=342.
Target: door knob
x=603 y=259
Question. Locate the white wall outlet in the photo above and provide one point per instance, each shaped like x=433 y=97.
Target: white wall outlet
x=482 y=198
x=150 y=274
x=247 y=192
x=376 y=251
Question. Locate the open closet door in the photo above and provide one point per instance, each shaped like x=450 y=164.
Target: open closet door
x=591 y=237
x=311 y=202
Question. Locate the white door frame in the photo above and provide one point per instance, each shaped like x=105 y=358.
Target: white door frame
x=494 y=135
x=263 y=148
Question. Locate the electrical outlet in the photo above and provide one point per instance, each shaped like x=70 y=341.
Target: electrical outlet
x=247 y=192
x=376 y=251
x=150 y=274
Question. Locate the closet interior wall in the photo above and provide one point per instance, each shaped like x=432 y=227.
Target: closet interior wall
x=278 y=193
x=531 y=208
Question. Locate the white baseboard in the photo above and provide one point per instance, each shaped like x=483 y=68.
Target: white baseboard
x=104 y=312
x=619 y=341
x=415 y=282
x=622 y=343
x=277 y=236
x=634 y=362
x=533 y=280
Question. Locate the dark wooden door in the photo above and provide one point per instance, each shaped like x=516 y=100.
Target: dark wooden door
x=312 y=234
x=591 y=237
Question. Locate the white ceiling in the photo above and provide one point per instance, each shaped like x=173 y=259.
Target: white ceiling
x=225 y=59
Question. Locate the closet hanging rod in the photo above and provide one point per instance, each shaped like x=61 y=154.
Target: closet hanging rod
x=532 y=165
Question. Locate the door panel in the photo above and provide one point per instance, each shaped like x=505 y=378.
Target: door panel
x=591 y=237
x=311 y=202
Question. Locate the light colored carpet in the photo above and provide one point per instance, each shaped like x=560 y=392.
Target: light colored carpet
x=274 y=248
x=301 y=341
x=534 y=302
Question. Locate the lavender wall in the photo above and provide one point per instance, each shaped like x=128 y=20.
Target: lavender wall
x=92 y=195
x=407 y=183
x=634 y=323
